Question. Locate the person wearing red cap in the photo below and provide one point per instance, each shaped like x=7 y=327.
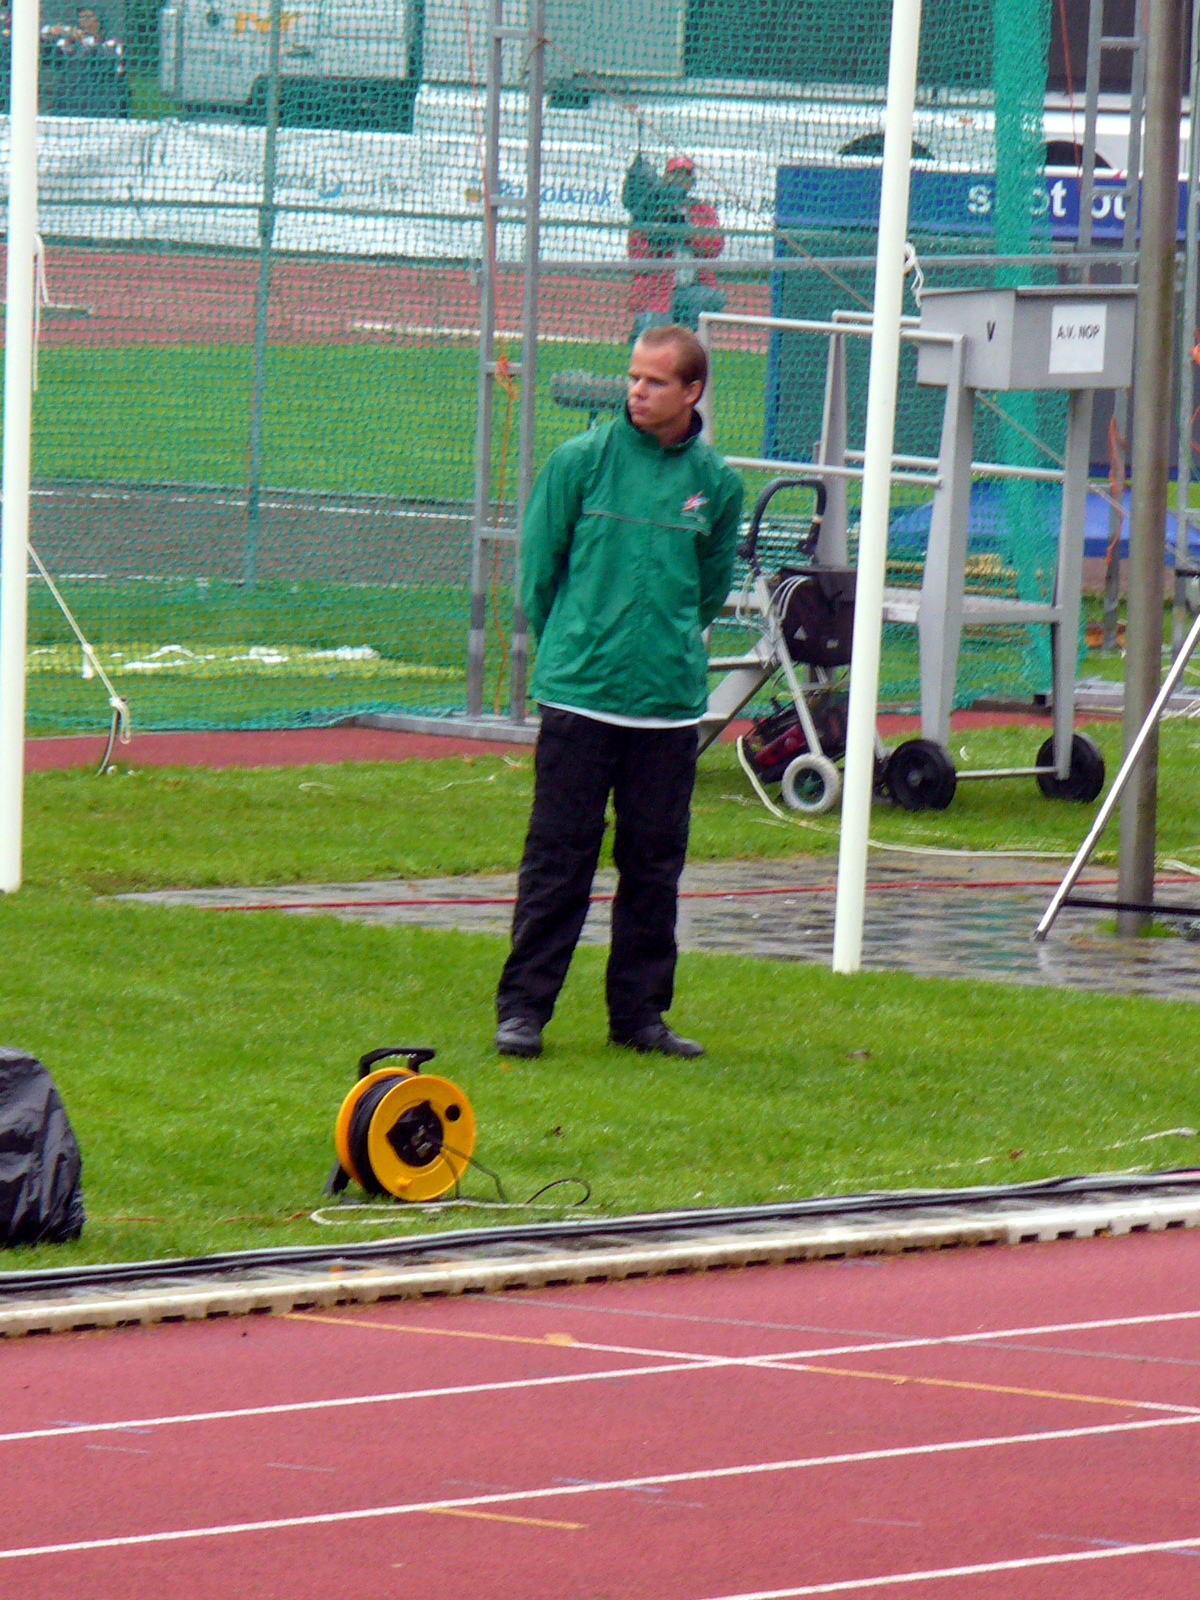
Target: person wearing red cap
x=670 y=225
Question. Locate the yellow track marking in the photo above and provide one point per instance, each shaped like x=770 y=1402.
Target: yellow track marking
x=495 y=1516
x=444 y=1333
x=899 y=1378
x=770 y=1363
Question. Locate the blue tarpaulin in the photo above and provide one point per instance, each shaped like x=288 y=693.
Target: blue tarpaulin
x=909 y=527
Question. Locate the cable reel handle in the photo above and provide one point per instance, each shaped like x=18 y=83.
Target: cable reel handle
x=415 y=1055
x=748 y=549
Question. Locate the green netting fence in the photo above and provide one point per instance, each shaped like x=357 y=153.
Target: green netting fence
x=254 y=431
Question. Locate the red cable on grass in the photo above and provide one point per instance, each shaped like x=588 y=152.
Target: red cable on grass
x=921 y=885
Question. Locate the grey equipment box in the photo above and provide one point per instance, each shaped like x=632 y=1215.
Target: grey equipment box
x=1077 y=336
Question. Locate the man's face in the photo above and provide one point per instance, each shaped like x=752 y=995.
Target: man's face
x=659 y=400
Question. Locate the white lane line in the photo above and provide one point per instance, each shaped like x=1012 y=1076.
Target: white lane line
x=287 y=1408
x=562 y=1491
x=930 y=1342
x=848 y=1585
x=682 y=1361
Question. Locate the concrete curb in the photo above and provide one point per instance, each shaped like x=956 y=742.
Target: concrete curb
x=499 y=729
x=1006 y=1223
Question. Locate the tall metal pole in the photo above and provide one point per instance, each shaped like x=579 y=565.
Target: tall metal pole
x=481 y=517
x=1187 y=338
x=18 y=431
x=1151 y=446
x=536 y=66
x=1129 y=235
x=876 y=486
x=266 y=236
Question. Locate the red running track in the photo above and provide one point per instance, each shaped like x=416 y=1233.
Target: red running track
x=190 y=297
x=323 y=746
x=284 y=747
x=1000 y=1424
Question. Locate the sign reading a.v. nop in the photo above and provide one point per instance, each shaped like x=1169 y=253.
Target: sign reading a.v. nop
x=1078 y=333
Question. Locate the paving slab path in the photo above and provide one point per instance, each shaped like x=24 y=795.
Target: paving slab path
x=934 y=916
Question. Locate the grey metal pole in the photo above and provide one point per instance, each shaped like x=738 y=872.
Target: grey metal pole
x=1187 y=334
x=266 y=236
x=536 y=66
x=481 y=516
x=1129 y=234
x=1151 y=446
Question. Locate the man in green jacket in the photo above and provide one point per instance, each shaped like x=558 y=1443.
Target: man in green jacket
x=627 y=554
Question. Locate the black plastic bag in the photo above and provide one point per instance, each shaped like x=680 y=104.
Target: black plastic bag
x=818 y=614
x=40 y=1166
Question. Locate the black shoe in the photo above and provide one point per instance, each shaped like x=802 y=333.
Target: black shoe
x=657 y=1037
x=519 y=1036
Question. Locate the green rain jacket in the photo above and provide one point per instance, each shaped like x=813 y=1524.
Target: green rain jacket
x=627 y=554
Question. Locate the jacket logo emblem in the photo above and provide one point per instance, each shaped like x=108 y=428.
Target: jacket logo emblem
x=694 y=502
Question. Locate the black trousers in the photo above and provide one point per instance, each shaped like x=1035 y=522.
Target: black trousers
x=650 y=773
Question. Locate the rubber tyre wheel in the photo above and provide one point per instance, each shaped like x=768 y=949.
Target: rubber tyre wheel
x=811 y=784
x=920 y=776
x=1086 y=777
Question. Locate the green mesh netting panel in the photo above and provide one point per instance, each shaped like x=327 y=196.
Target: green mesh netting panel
x=254 y=428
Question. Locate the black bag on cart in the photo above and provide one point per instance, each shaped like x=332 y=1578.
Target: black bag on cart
x=817 y=608
x=40 y=1166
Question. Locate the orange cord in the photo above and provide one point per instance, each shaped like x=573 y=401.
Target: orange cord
x=1116 y=482
x=1066 y=44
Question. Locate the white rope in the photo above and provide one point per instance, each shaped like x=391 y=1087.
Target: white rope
x=912 y=266
x=91 y=661
x=1025 y=1155
x=41 y=297
x=343 y=1215
x=1171 y=864
x=878 y=844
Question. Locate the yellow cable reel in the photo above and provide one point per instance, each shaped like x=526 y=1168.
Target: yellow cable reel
x=401 y=1131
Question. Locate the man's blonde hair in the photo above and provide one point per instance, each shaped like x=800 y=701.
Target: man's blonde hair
x=691 y=359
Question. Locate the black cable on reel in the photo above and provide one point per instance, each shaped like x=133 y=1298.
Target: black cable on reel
x=400 y=1132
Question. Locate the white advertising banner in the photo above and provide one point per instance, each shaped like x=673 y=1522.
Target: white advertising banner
x=413 y=195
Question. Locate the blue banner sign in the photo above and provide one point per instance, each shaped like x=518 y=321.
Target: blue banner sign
x=947 y=202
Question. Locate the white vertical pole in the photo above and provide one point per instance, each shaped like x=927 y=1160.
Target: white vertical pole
x=18 y=420
x=876 y=486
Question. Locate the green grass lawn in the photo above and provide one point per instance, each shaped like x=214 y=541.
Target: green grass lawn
x=394 y=418
x=195 y=655
x=156 y=829
x=202 y=1056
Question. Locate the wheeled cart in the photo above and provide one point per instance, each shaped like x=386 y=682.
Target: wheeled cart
x=805 y=614
x=1074 y=339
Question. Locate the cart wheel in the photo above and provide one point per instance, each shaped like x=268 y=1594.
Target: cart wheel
x=812 y=784
x=920 y=776
x=1086 y=777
